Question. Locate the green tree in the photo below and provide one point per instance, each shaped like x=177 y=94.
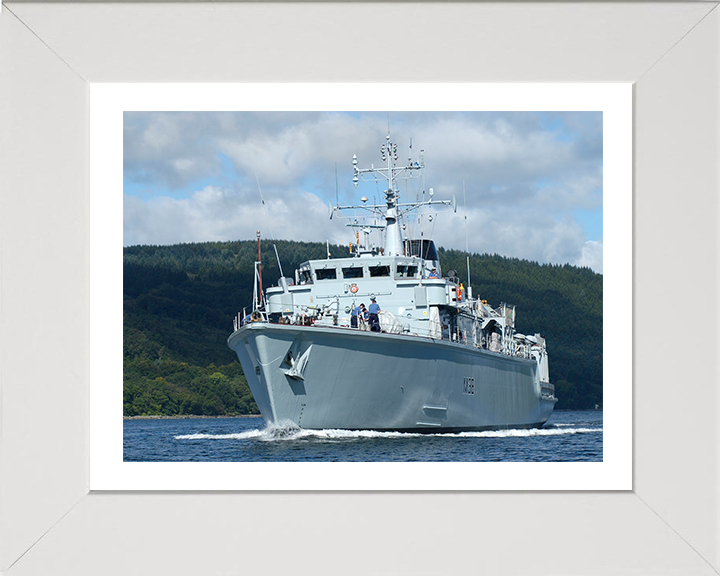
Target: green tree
x=179 y=302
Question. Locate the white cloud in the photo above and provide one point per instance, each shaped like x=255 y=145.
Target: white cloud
x=592 y=256
x=525 y=175
x=219 y=214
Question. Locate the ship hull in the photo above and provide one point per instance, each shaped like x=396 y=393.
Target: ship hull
x=335 y=378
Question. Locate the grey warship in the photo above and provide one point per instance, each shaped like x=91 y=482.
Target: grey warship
x=433 y=359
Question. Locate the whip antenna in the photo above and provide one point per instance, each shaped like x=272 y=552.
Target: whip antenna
x=467 y=249
x=267 y=216
x=337 y=196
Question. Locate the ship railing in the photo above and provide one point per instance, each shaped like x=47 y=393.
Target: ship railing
x=328 y=315
x=458 y=337
x=307 y=315
x=240 y=319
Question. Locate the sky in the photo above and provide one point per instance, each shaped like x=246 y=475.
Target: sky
x=533 y=181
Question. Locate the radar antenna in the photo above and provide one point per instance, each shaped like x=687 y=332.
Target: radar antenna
x=393 y=209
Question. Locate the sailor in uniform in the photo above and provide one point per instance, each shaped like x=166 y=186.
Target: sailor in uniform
x=363 y=318
x=373 y=319
x=354 y=315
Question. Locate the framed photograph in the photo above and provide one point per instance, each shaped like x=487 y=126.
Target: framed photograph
x=118 y=112
x=63 y=512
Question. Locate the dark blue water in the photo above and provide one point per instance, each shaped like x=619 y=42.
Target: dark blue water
x=566 y=437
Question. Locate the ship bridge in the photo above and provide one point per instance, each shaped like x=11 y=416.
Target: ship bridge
x=328 y=290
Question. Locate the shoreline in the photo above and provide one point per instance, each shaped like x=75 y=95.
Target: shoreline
x=187 y=416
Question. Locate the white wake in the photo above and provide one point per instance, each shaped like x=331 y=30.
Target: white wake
x=288 y=431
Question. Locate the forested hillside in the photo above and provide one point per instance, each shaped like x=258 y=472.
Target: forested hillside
x=180 y=300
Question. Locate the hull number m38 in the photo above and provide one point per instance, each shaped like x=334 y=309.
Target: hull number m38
x=468 y=385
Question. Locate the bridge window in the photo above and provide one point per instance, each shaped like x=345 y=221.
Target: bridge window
x=423 y=248
x=406 y=271
x=352 y=272
x=305 y=277
x=326 y=274
x=377 y=271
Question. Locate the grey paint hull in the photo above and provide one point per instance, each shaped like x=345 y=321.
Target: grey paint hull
x=321 y=378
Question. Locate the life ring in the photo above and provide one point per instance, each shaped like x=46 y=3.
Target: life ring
x=458 y=293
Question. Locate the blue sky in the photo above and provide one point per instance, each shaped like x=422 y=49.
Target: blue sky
x=533 y=180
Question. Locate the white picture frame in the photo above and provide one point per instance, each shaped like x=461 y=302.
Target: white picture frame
x=50 y=522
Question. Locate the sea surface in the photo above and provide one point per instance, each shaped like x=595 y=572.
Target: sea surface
x=568 y=436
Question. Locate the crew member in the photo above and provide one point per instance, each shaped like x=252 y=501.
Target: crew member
x=363 y=317
x=354 y=316
x=373 y=319
x=434 y=274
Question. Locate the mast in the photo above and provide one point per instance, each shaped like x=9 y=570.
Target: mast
x=259 y=271
x=393 y=242
x=467 y=245
x=393 y=209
